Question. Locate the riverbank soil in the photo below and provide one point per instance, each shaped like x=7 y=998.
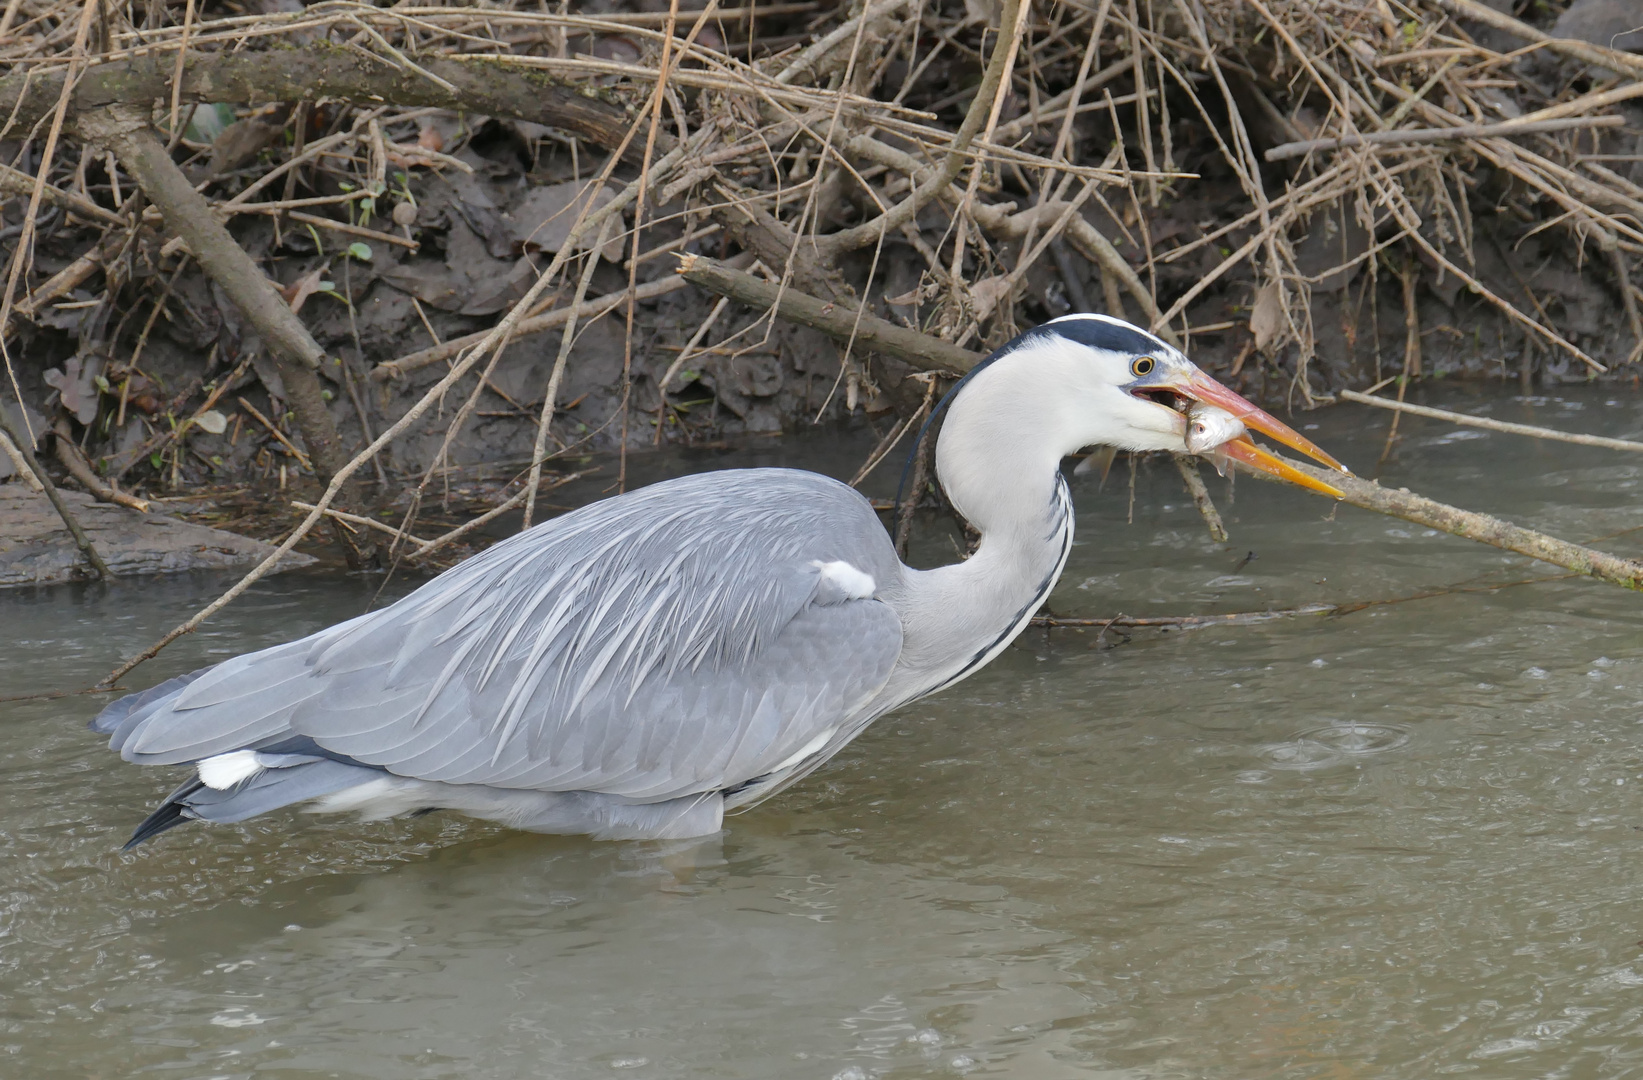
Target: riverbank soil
x=245 y=244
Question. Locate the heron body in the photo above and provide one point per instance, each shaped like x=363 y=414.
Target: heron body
x=638 y=667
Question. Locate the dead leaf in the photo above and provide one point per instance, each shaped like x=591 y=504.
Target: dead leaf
x=986 y=294
x=480 y=216
x=212 y=421
x=76 y=386
x=298 y=292
x=433 y=284
x=1266 y=319
x=543 y=218
x=242 y=141
x=489 y=297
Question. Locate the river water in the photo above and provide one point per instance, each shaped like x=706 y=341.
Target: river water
x=1402 y=842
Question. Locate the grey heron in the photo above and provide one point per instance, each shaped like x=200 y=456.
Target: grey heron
x=636 y=668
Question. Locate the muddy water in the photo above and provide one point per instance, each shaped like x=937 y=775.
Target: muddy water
x=1403 y=842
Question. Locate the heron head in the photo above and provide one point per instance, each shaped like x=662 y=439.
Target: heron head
x=1128 y=389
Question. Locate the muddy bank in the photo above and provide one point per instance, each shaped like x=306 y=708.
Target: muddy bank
x=1306 y=199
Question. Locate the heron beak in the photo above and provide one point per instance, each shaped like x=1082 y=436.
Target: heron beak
x=1198 y=386
x=1242 y=449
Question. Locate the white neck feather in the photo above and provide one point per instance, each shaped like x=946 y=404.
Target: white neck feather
x=998 y=458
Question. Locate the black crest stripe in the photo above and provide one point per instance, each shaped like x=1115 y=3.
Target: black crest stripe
x=1091 y=330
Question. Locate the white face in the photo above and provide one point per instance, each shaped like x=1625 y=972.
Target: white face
x=1090 y=380
x=1070 y=394
x=1112 y=397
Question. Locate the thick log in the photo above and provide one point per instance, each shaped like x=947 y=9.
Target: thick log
x=315 y=71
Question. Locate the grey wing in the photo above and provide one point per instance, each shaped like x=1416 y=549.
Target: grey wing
x=685 y=637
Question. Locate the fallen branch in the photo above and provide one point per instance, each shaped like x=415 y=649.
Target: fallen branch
x=1188 y=622
x=1251 y=618
x=1427 y=135
x=478 y=84
x=1530 y=430
x=17 y=183
x=838 y=319
x=1405 y=504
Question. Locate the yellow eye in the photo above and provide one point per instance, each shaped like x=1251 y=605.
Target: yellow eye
x=1142 y=365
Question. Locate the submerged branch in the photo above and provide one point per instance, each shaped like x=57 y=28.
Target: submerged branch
x=1405 y=504
x=493 y=86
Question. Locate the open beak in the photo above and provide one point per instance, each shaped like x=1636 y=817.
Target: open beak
x=1200 y=387
x=1242 y=449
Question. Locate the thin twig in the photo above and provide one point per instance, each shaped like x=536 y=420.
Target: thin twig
x=1405 y=136
x=1493 y=425
x=1188 y=467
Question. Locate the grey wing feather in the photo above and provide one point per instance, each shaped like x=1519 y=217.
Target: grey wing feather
x=673 y=640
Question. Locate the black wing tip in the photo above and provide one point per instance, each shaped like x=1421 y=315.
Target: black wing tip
x=168 y=815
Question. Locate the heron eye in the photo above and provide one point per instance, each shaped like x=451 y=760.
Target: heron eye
x=1142 y=365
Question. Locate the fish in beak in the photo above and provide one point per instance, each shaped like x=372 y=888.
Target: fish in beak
x=1217 y=423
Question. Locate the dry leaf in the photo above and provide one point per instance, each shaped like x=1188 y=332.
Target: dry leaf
x=1266 y=319
x=76 y=386
x=542 y=221
x=986 y=294
x=212 y=421
x=298 y=292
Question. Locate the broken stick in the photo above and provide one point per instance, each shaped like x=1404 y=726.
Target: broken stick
x=79 y=468
x=1188 y=465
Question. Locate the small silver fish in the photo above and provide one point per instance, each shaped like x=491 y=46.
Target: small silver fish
x=1210 y=427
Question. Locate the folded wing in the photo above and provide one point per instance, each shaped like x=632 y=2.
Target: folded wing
x=685 y=637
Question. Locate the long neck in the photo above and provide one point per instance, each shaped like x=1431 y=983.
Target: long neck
x=1003 y=474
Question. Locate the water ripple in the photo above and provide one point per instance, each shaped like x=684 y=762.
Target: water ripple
x=1333 y=744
